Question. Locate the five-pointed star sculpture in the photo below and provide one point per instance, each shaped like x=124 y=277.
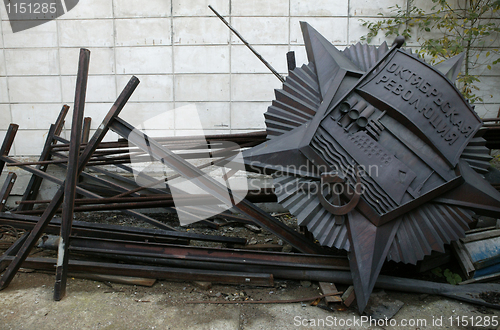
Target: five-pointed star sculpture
x=305 y=144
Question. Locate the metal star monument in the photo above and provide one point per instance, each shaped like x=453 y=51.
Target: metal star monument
x=374 y=151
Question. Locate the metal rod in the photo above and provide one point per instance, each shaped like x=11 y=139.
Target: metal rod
x=71 y=175
x=86 y=129
x=269 y=66
x=14 y=248
x=6 y=189
x=100 y=230
x=165 y=273
x=7 y=143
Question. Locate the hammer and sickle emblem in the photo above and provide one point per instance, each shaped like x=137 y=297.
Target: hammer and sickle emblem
x=334 y=178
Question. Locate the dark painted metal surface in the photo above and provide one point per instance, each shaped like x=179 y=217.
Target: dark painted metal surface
x=71 y=174
x=7 y=143
x=6 y=189
x=164 y=273
x=399 y=120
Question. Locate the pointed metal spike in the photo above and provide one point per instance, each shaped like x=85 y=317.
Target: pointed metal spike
x=326 y=57
x=475 y=193
x=369 y=248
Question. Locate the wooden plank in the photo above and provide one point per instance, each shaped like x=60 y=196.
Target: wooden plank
x=480 y=236
x=463 y=259
x=349 y=296
x=484 y=253
x=329 y=288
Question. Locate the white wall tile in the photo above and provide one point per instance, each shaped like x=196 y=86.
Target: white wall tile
x=261 y=30
x=144 y=60
x=150 y=116
x=96 y=111
x=2 y=137
x=254 y=87
x=40 y=36
x=3 y=72
x=201 y=59
x=488 y=89
x=109 y=137
x=428 y=5
x=199 y=7
x=143 y=32
x=211 y=115
x=88 y=9
x=102 y=60
x=244 y=61
x=99 y=88
x=153 y=88
x=5 y=118
x=259 y=7
x=245 y=115
x=35 y=89
x=36 y=116
x=482 y=62
x=4 y=91
x=150 y=8
x=373 y=8
x=200 y=30
x=318 y=8
x=29 y=142
x=487 y=110
x=357 y=30
x=333 y=29
x=300 y=55
x=198 y=87
x=32 y=62
x=85 y=33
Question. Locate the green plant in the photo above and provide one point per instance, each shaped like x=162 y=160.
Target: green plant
x=449 y=28
x=451 y=277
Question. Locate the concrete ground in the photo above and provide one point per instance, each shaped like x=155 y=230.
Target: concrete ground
x=27 y=304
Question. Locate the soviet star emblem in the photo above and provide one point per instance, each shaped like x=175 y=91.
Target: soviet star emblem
x=374 y=151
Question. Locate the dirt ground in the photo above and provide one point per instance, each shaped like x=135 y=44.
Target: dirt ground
x=28 y=304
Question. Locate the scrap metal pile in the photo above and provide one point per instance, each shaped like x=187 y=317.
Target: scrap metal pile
x=335 y=120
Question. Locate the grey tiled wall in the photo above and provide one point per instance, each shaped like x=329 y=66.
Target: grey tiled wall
x=181 y=53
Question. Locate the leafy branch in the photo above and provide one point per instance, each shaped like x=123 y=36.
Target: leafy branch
x=448 y=29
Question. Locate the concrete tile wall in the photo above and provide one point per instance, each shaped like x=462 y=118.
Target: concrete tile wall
x=191 y=67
